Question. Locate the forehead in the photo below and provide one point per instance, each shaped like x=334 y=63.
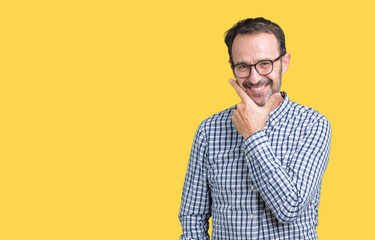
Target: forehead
x=251 y=48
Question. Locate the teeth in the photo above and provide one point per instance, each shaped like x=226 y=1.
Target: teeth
x=258 y=88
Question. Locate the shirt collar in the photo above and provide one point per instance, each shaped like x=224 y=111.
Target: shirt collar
x=275 y=116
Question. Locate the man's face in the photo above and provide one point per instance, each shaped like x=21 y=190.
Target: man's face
x=252 y=48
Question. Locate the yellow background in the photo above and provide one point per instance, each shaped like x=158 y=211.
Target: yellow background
x=100 y=101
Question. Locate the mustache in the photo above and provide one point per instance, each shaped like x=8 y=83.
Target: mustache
x=248 y=84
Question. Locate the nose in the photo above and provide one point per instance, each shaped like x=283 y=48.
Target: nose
x=254 y=77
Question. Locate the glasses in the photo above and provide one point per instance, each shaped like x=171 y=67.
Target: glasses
x=264 y=67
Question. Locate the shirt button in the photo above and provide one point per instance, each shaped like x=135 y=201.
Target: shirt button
x=251 y=216
x=252 y=188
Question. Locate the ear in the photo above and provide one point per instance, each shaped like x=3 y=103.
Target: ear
x=285 y=61
x=231 y=67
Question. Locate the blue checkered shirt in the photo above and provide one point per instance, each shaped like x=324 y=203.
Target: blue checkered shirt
x=264 y=187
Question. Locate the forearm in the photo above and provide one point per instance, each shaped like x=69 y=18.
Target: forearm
x=195 y=210
x=288 y=189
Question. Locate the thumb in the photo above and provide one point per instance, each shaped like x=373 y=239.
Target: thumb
x=274 y=101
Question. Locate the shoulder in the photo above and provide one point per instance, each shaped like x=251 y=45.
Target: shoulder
x=219 y=120
x=306 y=115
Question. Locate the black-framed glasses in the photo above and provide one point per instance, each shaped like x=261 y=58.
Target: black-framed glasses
x=263 y=67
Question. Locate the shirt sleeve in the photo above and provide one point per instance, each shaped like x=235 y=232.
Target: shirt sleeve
x=195 y=209
x=288 y=190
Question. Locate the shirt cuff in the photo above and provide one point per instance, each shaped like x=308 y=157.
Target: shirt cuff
x=254 y=142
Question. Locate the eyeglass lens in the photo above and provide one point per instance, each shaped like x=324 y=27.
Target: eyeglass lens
x=263 y=68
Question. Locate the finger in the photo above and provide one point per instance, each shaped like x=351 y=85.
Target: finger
x=240 y=91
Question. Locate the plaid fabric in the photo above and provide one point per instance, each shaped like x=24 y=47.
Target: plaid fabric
x=264 y=187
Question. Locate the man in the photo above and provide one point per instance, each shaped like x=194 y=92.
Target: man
x=256 y=168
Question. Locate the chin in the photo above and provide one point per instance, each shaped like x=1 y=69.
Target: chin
x=261 y=100
x=261 y=103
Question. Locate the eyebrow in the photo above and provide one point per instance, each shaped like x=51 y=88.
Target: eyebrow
x=242 y=62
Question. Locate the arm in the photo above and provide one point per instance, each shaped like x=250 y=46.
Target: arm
x=287 y=191
x=196 y=203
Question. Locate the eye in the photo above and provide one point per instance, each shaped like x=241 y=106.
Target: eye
x=242 y=67
x=264 y=64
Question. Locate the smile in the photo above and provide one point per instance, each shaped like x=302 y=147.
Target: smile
x=258 y=88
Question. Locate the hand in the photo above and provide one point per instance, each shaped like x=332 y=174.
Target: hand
x=249 y=118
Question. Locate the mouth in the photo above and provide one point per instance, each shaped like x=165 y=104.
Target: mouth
x=258 y=89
